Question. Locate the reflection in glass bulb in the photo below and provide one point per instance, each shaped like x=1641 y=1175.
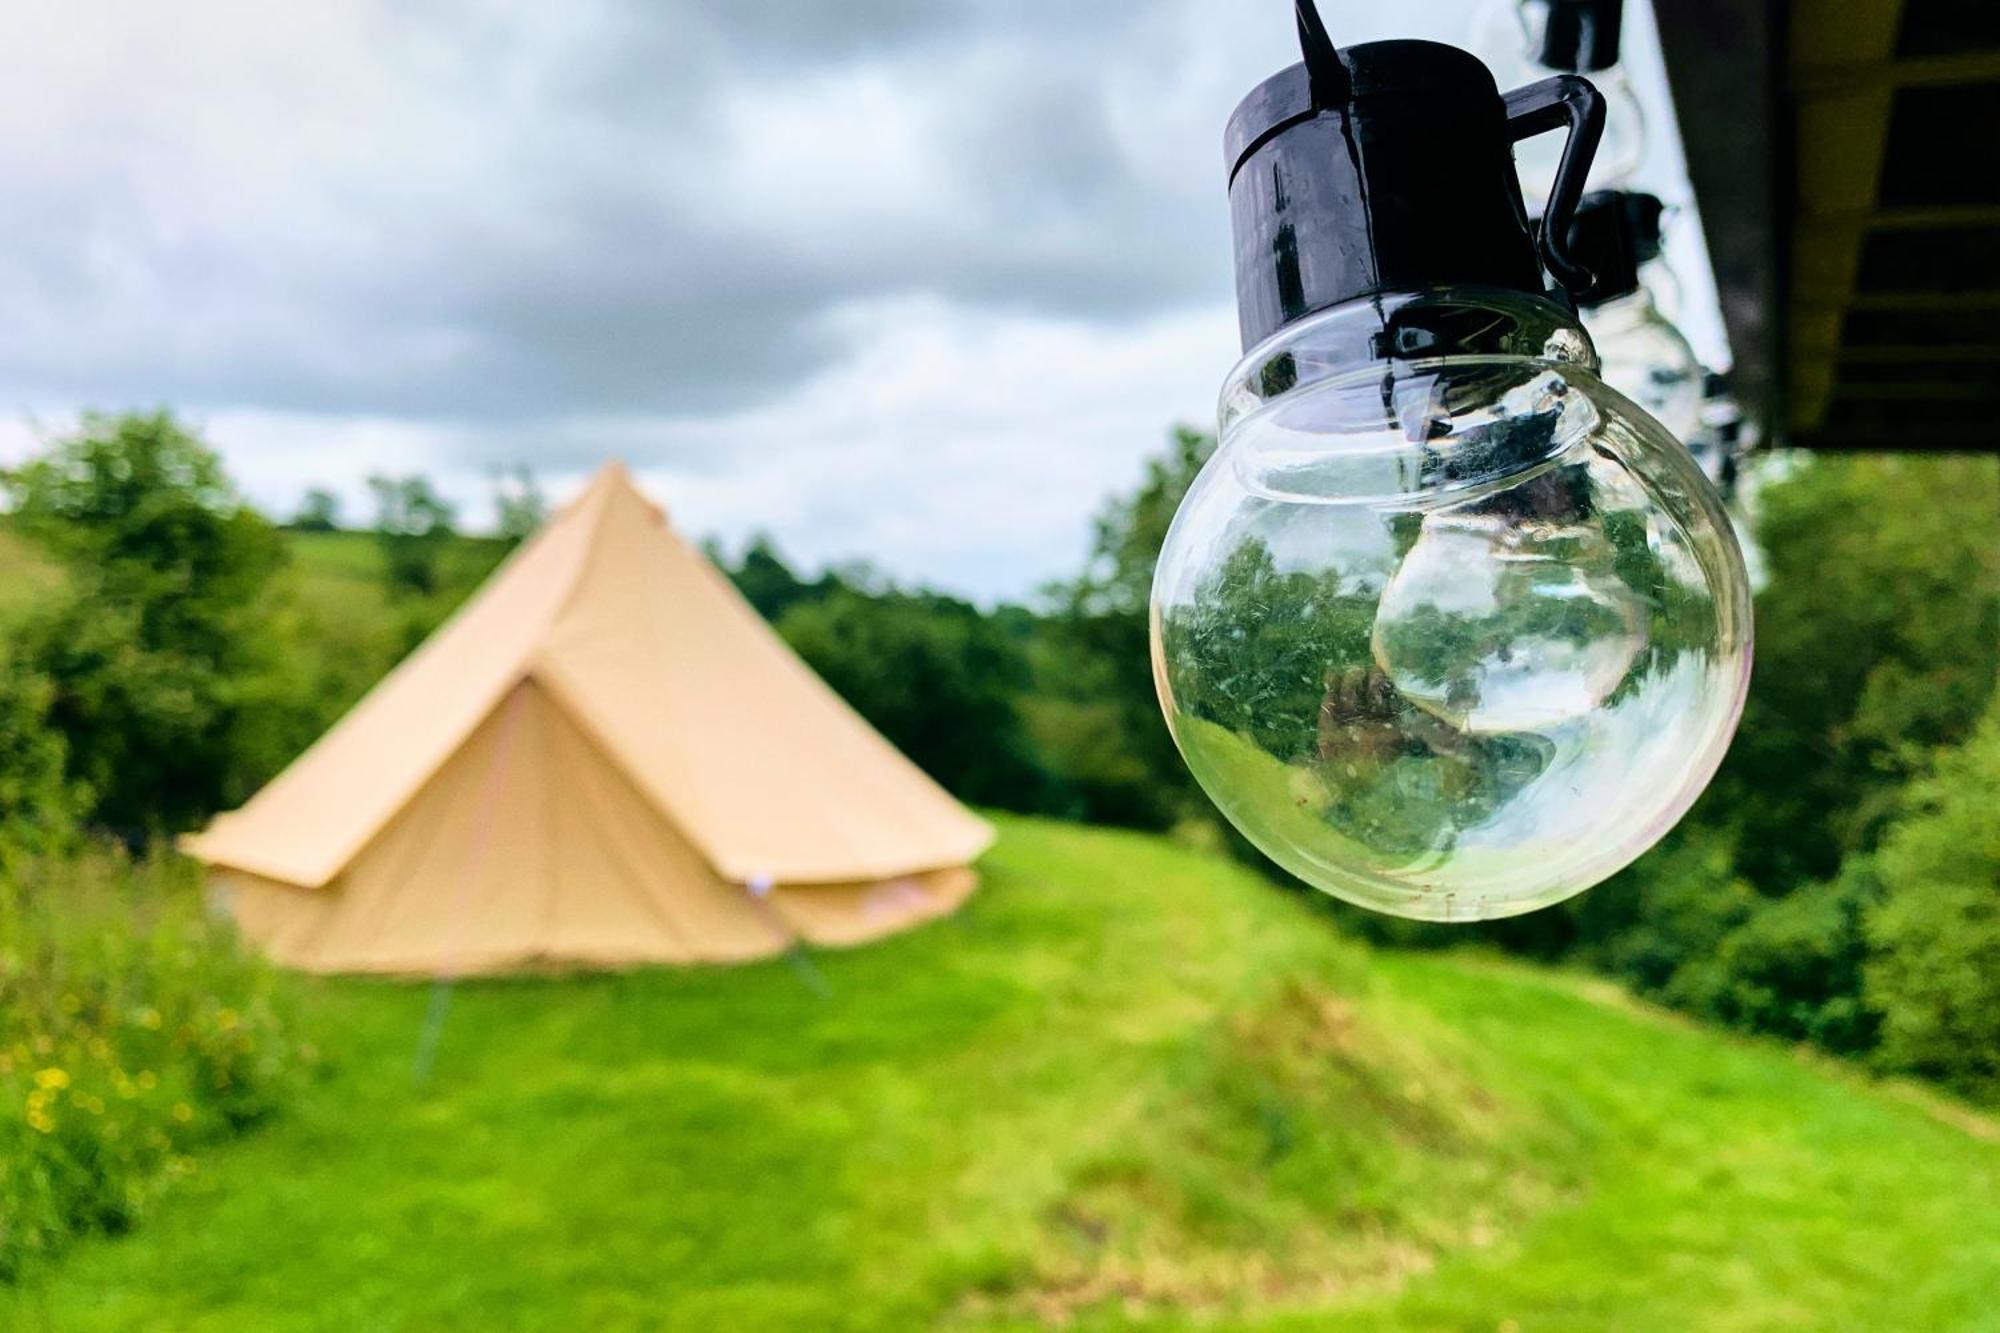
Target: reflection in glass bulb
x=1495 y=622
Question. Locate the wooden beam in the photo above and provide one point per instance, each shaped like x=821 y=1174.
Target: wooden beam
x=1857 y=76
x=1902 y=219
x=1886 y=355
x=1915 y=301
x=1722 y=60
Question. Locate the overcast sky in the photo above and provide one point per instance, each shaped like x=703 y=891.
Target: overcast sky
x=916 y=281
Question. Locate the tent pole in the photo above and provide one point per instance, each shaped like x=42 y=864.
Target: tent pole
x=433 y=1030
x=760 y=888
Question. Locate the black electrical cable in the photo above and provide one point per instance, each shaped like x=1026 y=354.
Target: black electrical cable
x=1330 y=85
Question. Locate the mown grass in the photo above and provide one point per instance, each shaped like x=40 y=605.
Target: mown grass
x=1130 y=1087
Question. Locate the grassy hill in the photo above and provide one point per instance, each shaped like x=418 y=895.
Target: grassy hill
x=1130 y=1087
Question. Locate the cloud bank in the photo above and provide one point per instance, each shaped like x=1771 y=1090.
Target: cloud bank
x=904 y=279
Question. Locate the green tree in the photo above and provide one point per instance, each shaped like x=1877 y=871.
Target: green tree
x=1098 y=659
x=771 y=585
x=519 y=506
x=936 y=677
x=1935 y=971
x=319 y=511
x=1878 y=640
x=162 y=666
x=414 y=525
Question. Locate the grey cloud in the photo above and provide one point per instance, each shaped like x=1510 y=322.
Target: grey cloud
x=645 y=301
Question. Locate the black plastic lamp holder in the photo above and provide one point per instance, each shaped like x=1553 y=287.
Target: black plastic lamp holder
x=1614 y=234
x=1582 y=35
x=1388 y=166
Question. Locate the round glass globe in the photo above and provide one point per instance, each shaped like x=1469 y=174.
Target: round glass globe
x=1446 y=627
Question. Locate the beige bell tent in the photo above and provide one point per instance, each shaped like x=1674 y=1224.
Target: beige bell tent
x=605 y=759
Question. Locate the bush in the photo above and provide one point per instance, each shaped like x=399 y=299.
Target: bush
x=38 y=807
x=1935 y=974
x=1794 y=969
x=132 y=1030
x=1674 y=909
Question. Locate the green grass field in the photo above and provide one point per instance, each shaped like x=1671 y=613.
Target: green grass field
x=1130 y=1087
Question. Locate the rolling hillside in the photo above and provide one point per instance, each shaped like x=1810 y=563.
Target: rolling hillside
x=1131 y=1087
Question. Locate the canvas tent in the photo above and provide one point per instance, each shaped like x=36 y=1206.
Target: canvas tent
x=604 y=759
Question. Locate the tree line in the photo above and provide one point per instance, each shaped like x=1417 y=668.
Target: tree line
x=1838 y=884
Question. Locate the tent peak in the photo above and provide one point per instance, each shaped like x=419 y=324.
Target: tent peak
x=611 y=479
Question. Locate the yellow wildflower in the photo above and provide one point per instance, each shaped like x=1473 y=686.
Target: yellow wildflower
x=147 y=1079
x=225 y=1019
x=183 y=1112
x=52 y=1078
x=149 y=1018
x=41 y=1122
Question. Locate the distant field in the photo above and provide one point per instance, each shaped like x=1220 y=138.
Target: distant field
x=352 y=563
x=333 y=597
x=347 y=564
x=1131 y=1087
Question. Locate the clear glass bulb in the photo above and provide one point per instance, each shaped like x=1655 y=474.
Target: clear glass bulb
x=1446 y=627
x=1507 y=35
x=1663 y=280
x=1648 y=360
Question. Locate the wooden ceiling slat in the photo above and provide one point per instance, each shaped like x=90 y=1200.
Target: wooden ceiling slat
x=1824 y=139
x=1838 y=138
x=1927 y=354
x=1900 y=219
x=1863 y=75
x=1834 y=300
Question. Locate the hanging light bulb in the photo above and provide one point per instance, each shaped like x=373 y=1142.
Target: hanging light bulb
x=1447 y=627
x=1525 y=40
x=1616 y=235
